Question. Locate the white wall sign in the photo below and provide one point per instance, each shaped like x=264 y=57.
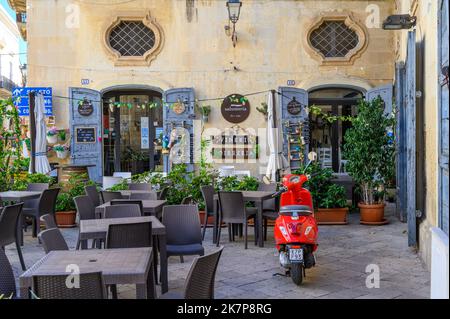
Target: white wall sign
x=145 y=143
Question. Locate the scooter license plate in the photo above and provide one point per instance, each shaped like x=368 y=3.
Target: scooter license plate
x=296 y=255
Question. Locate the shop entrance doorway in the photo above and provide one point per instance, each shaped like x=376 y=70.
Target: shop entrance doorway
x=132 y=131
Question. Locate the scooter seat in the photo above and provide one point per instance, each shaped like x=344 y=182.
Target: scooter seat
x=299 y=209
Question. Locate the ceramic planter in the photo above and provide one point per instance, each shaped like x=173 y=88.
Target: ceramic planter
x=66 y=219
x=372 y=214
x=62 y=154
x=53 y=139
x=331 y=216
x=205 y=118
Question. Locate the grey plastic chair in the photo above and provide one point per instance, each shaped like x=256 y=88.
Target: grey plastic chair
x=47 y=204
x=140 y=187
x=7 y=281
x=94 y=195
x=200 y=280
x=183 y=230
x=9 y=229
x=49 y=221
x=208 y=196
x=144 y=196
x=270 y=206
x=122 y=211
x=129 y=202
x=54 y=287
x=233 y=212
x=109 y=196
x=52 y=239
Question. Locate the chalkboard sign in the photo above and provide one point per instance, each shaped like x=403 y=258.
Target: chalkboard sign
x=86 y=135
x=235 y=108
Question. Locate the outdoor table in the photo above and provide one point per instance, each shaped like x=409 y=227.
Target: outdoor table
x=258 y=197
x=128 y=192
x=151 y=207
x=118 y=266
x=98 y=228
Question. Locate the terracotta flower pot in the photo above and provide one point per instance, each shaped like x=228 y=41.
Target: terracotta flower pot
x=202 y=218
x=372 y=214
x=66 y=219
x=331 y=216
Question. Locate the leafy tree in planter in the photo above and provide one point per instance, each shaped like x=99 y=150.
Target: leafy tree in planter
x=370 y=150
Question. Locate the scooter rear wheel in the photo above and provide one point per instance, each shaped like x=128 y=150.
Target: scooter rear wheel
x=297 y=273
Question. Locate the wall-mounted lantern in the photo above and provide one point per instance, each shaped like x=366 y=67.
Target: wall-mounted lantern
x=399 y=22
x=234 y=10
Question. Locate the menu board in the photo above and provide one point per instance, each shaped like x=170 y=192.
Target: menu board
x=86 y=135
x=235 y=147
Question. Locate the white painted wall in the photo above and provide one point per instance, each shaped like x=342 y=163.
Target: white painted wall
x=9 y=43
x=439 y=264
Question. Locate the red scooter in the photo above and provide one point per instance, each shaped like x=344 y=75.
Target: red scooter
x=296 y=229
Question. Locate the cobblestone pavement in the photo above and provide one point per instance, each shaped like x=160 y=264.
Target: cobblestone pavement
x=342 y=258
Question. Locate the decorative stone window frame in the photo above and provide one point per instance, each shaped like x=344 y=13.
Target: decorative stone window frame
x=149 y=56
x=351 y=23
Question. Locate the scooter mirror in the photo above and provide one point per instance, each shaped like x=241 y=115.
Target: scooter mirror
x=312 y=156
x=266 y=180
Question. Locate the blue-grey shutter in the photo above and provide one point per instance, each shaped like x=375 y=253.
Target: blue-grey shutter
x=410 y=100
x=87 y=153
x=287 y=94
x=385 y=92
x=186 y=119
x=400 y=136
x=443 y=117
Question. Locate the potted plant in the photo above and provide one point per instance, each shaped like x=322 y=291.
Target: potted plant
x=205 y=110
x=62 y=151
x=62 y=135
x=370 y=151
x=264 y=110
x=52 y=135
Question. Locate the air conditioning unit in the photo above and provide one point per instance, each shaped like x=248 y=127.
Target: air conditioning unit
x=439 y=264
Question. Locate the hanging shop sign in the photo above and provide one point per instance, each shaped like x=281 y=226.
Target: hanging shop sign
x=85 y=108
x=21 y=99
x=85 y=135
x=294 y=107
x=235 y=108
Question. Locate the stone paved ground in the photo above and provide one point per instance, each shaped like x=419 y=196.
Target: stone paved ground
x=342 y=258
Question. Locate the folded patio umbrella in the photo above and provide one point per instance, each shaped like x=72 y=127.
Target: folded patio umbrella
x=41 y=160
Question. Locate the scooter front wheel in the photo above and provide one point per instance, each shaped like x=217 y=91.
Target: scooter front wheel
x=297 y=273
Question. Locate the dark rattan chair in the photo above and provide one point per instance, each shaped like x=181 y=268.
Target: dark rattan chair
x=94 y=195
x=33 y=204
x=122 y=211
x=47 y=204
x=163 y=194
x=270 y=206
x=109 y=196
x=183 y=230
x=208 y=197
x=49 y=221
x=86 y=211
x=233 y=212
x=189 y=200
x=54 y=287
x=52 y=239
x=129 y=202
x=144 y=196
x=140 y=187
x=200 y=280
x=9 y=229
x=7 y=281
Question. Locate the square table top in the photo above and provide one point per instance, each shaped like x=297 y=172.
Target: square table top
x=150 y=206
x=118 y=266
x=98 y=228
x=253 y=195
x=19 y=195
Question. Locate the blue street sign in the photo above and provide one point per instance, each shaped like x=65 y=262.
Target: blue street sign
x=20 y=97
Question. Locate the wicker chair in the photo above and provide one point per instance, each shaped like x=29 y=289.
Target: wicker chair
x=270 y=206
x=189 y=200
x=200 y=280
x=183 y=230
x=33 y=204
x=9 y=229
x=122 y=211
x=94 y=195
x=7 y=281
x=54 y=287
x=49 y=221
x=52 y=239
x=144 y=196
x=233 y=212
x=109 y=196
x=47 y=204
x=86 y=211
x=163 y=194
x=140 y=187
x=208 y=197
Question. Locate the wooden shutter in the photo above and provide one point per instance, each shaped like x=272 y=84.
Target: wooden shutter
x=385 y=92
x=87 y=153
x=185 y=119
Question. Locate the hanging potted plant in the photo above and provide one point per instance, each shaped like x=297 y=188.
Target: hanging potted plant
x=264 y=110
x=62 y=135
x=62 y=151
x=52 y=135
x=370 y=151
x=205 y=110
